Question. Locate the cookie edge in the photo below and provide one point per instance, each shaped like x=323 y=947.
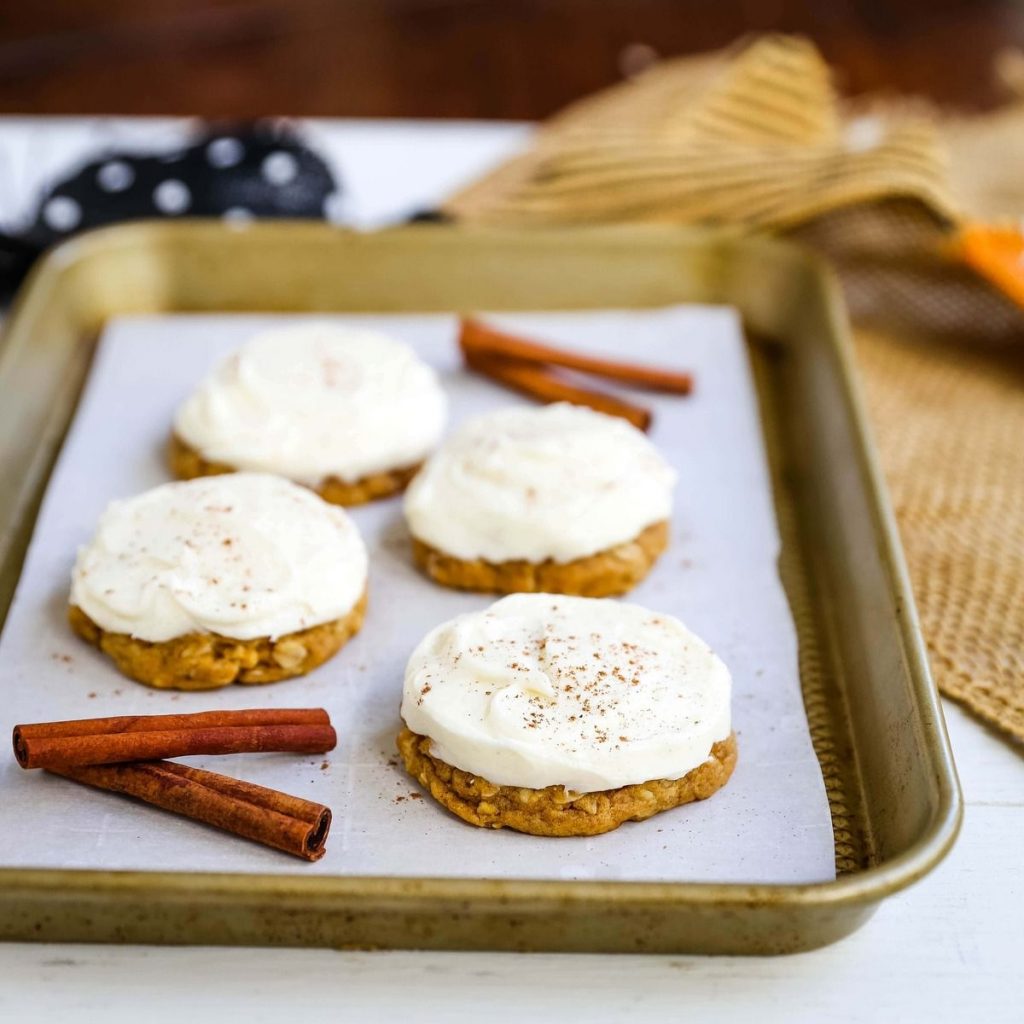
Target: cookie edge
x=608 y=573
x=187 y=463
x=487 y=805
x=160 y=664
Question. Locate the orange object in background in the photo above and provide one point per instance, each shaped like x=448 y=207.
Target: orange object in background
x=997 y=253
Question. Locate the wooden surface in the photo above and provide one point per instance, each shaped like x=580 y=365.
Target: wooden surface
x=516 y=59
x=946 y=950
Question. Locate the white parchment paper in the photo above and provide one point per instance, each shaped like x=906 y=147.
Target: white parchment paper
x=769 y=824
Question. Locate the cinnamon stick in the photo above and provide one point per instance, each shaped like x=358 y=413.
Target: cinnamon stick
x=266 y=816
x=476 y=337
x=536 y=382
x=148 y=737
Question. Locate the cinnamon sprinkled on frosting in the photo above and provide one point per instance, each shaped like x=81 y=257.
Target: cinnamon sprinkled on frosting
x=559 y=482
x=316 y=400
x=244 y=555
x=542 y=690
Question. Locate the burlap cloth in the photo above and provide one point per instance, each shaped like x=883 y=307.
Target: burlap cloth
x=756 y=136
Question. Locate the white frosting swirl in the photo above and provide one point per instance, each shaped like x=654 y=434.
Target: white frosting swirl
x=547 y=690
x=316 y=400
x=244 y=555
x=559 y=482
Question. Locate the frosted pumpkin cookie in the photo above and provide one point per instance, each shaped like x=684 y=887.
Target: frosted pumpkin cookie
x=349 y=413
x=558 y=499
x=565 y=716
x=235 y=579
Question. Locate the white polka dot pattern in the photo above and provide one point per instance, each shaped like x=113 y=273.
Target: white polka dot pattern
x=62 y=213
x=172 y=196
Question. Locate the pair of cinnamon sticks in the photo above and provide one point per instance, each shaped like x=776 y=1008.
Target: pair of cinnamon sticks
x=127 y=755
x=526 y=367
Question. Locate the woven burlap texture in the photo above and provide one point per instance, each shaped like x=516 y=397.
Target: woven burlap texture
x=950 y=427
x=755 y=136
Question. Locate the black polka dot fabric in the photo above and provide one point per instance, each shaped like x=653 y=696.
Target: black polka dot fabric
x=238 y=173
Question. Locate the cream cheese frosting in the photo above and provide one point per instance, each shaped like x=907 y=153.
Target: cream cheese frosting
x=316 y=400
x=556 y=482
x=245 y=555
x=547 y=690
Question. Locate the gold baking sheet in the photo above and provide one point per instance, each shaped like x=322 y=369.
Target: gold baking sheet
x=871 y=704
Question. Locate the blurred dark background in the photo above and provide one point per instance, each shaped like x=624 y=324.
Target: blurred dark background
x=455 y=58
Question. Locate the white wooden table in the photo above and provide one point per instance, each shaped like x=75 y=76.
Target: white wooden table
x=949 y=949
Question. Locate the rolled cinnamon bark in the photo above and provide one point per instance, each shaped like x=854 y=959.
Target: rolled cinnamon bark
x=94 y=741
x=537 y=382
x=266 y=816
x=476 y=337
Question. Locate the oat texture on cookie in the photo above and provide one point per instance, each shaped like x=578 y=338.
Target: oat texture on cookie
x=348 y=412
x=565 y=715
x=559 y=498
x=242 y=578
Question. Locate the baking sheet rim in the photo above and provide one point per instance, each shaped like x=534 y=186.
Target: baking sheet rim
x=861 y=888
